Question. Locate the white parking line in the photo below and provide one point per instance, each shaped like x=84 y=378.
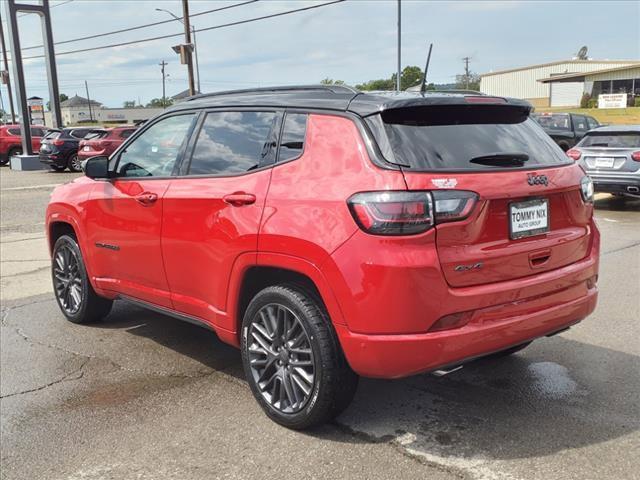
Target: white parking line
x=31 y=187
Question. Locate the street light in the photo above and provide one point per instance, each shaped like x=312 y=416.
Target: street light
x=195 y=46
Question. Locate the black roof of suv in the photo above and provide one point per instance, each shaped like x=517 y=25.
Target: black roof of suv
x=336 y=97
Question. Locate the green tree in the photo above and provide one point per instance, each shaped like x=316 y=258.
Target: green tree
x=129 y=104
x=62 y=97
x=468 y=82
x=410 y=76
x=158 y=102
x=331 y=81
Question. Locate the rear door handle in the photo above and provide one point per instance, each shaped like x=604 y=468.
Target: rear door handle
x=239 y=199
x=147 y=198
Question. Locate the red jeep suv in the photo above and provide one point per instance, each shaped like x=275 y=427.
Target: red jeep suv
x=330 y=233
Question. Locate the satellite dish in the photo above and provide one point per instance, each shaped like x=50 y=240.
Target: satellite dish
x=582 y=53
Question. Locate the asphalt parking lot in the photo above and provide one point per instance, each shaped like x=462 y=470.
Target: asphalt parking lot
x=148 y=397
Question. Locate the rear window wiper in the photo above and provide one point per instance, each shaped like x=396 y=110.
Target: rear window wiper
x=501 y=159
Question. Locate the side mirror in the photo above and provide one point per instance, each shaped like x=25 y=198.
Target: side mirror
x=96 y=167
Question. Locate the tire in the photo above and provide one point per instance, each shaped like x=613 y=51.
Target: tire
x=564 y=146
x=73 y=291
x=302 y=380
x=509 y=351
x=73 y=164
x=12 y=152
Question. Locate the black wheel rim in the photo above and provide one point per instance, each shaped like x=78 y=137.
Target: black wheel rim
x=67 y=279
x=281 y=358
x=76 y=164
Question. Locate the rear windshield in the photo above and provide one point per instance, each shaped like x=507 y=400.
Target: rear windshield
x=95 y=135
x=555 y=121
x=612 y=139
x=52 y=134
x=461 y=137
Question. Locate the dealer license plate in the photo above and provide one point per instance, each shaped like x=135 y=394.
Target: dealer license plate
x=528 y=218
x=604 y=162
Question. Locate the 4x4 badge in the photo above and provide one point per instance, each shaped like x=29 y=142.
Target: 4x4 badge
x=533 y=179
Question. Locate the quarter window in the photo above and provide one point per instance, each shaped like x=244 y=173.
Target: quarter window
x=155 y=152
x=293 y=133
x=235 y=142
x=580 y=123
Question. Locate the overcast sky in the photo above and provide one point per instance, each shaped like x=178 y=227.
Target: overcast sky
x=354 y=41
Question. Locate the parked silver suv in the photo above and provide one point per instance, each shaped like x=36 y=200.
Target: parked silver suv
x=611 y=157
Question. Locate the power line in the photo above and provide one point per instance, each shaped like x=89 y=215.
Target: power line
x=52 y=6
x=215 y=27
x=98 y=35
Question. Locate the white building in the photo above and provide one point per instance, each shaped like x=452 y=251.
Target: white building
x=75 y=110
x=537 y=83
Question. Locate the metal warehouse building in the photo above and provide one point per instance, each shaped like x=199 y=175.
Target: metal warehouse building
x=563 y=83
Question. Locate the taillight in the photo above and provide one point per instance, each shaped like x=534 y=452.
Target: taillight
x=636 y=156
x=407 y=213
x=573 y=153
x=58 y=142
x=587 y=189
x=393 y=212
x=453 y=205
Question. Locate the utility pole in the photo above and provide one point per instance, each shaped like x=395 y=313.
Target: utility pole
x=86 y=86
x=164 y=101
x=6 y=75
x=466 y=71
x=399 y=73
x=187 y=39
x=195 y=43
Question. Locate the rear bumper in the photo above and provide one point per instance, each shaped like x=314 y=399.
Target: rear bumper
x=395 y=356
x=53 y=159
x=502 y=314
x=617 y=184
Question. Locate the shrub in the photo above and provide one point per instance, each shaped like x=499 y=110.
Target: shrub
x=636 y=102
x=584 y=101
x=592 y=103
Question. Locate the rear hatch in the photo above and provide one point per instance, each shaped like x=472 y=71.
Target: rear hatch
x=608 y=151
x=94 y=143
x=48 y=144
x=529 y=216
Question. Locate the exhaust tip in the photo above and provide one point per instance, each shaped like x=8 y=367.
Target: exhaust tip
x=633 y=189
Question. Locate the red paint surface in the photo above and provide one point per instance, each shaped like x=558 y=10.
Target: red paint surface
x=190 y=248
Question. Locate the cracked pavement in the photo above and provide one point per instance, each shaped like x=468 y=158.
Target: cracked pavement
x=145 y=396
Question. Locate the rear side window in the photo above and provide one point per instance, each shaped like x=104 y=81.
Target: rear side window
x=461 y=137
x=95 y=135
x=580 y=123
x=53 y=134
x=37 y=132
x=14 y=131
x=235 y=142
x=612 y=140
x=293 y=133
x=80 y=134
x=592 y=122
x=126 y=133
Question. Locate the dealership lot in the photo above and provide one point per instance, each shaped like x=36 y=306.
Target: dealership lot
x=145 y=396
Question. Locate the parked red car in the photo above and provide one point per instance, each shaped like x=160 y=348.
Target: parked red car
x=11 y=141
x=103 y=142
x=330 y=233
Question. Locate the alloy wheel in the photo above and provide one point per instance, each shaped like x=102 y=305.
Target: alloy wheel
x=67 y=279
x=281 y=358
x=75 y=163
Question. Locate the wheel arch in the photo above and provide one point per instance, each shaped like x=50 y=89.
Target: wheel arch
x=272 y=269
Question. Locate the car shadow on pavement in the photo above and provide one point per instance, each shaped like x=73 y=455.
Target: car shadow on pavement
x=618 y=203
x=558 y=394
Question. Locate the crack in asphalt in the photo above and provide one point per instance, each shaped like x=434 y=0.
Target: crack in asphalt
x=37 y=270
x=21 y=239
x=65 y=378
x=616 y=250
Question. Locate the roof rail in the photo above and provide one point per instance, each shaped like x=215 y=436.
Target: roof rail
x=284 y=89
